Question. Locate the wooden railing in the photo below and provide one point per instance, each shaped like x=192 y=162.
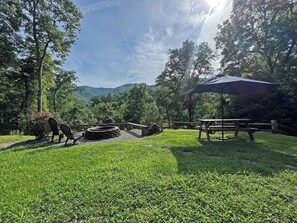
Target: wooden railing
x=179 y=124
x=274 y=126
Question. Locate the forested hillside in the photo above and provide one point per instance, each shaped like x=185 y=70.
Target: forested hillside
x=85 y=93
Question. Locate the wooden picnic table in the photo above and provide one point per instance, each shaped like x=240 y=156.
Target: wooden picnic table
x=211 y=125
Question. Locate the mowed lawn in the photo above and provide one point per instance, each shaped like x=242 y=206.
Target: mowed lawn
x=170 y=177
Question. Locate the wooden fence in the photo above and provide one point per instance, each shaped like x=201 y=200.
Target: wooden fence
x=274 y=126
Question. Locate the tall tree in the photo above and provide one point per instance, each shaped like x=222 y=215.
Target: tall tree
x=62 y=89
x=51 y=27
x=10 y=23
x=260 y=40
x=182 y=71
x=134 y=109
x=10 y=92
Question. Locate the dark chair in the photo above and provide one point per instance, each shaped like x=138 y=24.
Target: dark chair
x=69 y=134
x=54 y=127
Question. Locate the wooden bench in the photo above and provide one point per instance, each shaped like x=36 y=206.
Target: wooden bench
x=215 y=128
x=144 y=128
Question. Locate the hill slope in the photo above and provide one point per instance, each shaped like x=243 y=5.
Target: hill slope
x=85 y=93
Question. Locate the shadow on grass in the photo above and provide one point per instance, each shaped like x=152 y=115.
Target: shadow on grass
x=29 y=145
x=232 y=157
x=46 y=144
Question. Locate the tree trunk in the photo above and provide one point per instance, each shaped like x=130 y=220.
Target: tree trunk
x=39 y=57
x=40 y=86
x=39 y=62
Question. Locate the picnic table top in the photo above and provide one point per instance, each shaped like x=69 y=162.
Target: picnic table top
x=225 y=120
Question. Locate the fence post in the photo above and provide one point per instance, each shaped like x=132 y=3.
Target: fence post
x=274 y=128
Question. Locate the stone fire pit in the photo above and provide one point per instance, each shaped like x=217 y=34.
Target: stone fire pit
x=102 y=132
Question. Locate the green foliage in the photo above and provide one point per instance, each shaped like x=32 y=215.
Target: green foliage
x=151 y=114
x=182 y=72
x=61 y=92
x=137 y=105
x=208 y=106
x=170 y=177
x=32 y=33
x=10 y=24
x=104 y=112
x=87 y=93
x=138 y=98
x=260 y=41
x=16 y=94
x=78 y=115
x=49 y=28
x=170 y=107
x=262 y=37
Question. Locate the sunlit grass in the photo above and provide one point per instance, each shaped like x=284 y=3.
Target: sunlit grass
x=14 y=138
x=170 y=177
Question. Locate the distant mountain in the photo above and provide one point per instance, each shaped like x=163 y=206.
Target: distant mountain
x=85 y=93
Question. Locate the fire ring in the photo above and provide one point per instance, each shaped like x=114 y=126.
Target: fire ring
x=102 y=132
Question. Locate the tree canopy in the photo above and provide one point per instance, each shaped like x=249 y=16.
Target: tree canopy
x=32 y=33
x=260 y=41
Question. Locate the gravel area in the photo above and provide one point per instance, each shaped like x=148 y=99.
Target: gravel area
x=125 y=135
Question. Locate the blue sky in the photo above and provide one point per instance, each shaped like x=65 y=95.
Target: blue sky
x=126 y=41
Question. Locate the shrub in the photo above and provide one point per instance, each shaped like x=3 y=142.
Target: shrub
x=39 y=126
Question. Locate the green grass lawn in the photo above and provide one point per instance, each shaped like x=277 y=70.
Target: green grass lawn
x=170 y=177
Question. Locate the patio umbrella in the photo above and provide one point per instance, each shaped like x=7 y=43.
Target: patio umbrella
x=225 y=84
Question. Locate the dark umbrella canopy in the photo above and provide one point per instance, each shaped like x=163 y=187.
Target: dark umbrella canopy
x=231 y=85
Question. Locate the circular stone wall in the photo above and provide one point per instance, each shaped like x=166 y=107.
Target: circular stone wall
x=102 y=132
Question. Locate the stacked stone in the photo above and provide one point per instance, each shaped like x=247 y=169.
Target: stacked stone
x=154 y=129
x=104 y=133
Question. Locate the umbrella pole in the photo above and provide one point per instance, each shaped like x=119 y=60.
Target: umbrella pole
x=222 y=112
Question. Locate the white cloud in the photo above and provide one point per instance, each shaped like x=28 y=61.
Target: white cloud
x=169 y=32
x=100 y=5
x=148 y=58
x=129 y=43
x=217 y=17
